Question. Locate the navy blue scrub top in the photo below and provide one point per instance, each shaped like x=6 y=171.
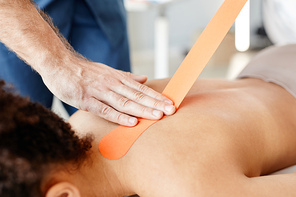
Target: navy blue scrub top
x=110 y=17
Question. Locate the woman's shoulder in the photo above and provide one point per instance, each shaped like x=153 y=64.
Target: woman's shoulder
x=88 y=123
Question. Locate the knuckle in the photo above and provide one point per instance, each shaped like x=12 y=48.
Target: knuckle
x=105 y=111
x=156 y=104
x=143 y=88
x=128 y=74
x=158 y=96
x=123 y=102
x=83 y=106
x=144 y=110
x=121 y=86
x=108 y=79
x=116 y=83
x=139 y=96
x=119 y=117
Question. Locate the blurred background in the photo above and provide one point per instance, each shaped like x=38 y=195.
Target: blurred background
x=161 y=32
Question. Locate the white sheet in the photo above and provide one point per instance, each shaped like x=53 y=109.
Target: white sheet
x=291 y=169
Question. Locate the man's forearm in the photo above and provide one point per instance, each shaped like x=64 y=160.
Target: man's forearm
x=24 y=31
x=95 y=87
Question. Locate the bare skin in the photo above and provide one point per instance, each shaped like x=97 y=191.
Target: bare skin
x=224 y=136
x=114 y=95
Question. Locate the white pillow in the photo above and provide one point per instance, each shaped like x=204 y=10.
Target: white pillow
x=280 y=20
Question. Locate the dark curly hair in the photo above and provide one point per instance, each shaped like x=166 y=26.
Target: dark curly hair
x=32 y=138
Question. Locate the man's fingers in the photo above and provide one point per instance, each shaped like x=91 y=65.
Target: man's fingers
x=145 y=89
x=104 y=111
x=148 y=91
x=143 y=101
x=128 y=106
x=138 y=78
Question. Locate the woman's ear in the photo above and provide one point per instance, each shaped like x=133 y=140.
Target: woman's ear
x=63 y=189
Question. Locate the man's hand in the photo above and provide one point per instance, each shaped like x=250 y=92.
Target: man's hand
x=94 y=87
x=114 y=95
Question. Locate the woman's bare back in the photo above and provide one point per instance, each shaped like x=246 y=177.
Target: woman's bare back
x=223 y=130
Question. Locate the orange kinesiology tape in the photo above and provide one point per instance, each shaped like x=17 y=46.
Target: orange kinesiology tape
x=118 y=142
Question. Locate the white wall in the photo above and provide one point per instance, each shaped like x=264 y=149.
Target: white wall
x=187 y=19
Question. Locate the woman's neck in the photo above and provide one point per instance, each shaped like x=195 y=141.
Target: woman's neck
x=102 y=177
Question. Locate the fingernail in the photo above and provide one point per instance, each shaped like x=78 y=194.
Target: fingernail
x=133 y=121
x=157 y=113
x=169 y=108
